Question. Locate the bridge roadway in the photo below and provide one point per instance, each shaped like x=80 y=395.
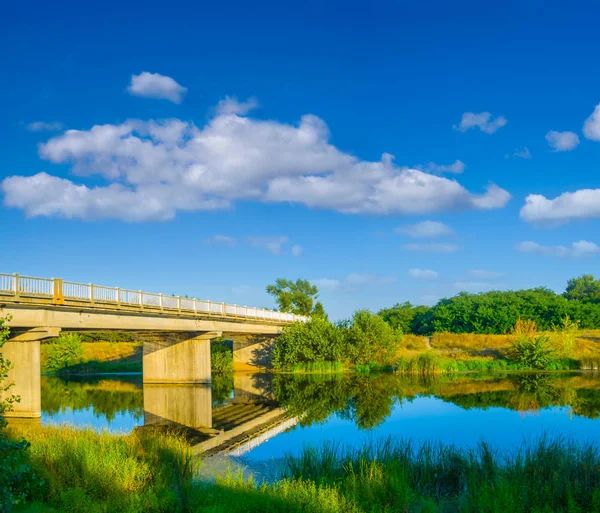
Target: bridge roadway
x=176 y=331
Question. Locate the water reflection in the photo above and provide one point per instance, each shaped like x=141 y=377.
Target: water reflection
x=271 y=414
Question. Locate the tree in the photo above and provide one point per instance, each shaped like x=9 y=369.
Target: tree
x=295 y=297
x=370 y=339
x=404 y=316
x=585 y=288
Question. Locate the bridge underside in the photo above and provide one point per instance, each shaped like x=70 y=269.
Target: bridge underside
x=176 y=349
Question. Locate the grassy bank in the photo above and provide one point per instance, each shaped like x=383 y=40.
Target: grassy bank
x=83 y=471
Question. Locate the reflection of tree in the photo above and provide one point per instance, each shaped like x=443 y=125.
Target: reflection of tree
x=535 y=391
x=366 y=400
x=106 y=397
x=221 y=388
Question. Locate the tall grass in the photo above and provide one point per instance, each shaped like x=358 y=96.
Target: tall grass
x=551 y=474
x=318 y=367
x=88 y=472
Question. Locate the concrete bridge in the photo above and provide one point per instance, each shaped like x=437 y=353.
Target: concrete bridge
x=178 y=351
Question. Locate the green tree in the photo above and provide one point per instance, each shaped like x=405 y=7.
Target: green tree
x=404 y=316
x=370 y=339
x=584 y=288
x=295 y=297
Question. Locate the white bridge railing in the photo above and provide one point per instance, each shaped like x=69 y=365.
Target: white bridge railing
x=65 y=292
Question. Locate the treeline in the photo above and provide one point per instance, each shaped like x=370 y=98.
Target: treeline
x=497 y=312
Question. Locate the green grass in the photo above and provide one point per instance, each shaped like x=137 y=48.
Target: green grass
x=88 y=472
x=318 y=367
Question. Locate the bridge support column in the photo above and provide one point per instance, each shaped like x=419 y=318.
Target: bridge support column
x=253 y=349
x=25 y=374
x=178 y=357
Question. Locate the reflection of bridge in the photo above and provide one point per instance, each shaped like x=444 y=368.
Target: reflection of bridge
x=239 y=425
x=177 y=351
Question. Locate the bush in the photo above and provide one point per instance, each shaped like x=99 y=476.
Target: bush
x=66 y=350
x=221 y=358
x=532 y=352
x=16 y=477
x=371 y=340
x=316 y=340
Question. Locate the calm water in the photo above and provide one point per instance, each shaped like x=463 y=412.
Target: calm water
x=264 y=417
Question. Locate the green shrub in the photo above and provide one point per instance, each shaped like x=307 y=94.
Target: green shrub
x=221 y=358
x=16 y=477
x=369 y=339
x=316 y=340
x=532 y=352
x=66 y=350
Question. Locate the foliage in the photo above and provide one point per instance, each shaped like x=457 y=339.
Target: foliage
x=532 y=352
x=370 y=339
x=66 y=350
x=221 y=358
x=296 y=297
x=316 y=340
x=564 y=337
x=404 y=317
x=584 y=288
x=497 y=312
x=15 y=472
x=319 y=310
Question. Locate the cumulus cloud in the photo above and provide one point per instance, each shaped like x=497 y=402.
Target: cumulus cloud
x=354 y=282
x=154 y=169
x=42 y=126
x=226 y=240
x=484 y=274
x=579 y=249
x=426 y=230
x=272 y=244
x=591 y=127
x=297 y=250
x=562 y=141
x=155 y=85
x=432 y=247
x=523 y=153
x=423 y=274
x=231 y=105
x=457 y=167
x=482 y=120
x=581 y=204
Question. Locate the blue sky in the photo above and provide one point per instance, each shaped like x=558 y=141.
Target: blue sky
x=208 y=149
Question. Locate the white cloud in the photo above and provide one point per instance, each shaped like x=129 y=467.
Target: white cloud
x=297 y=250
x=426 y=230
x=423 y=274
x=484 y=274
x=579 y=249
x=591 y=127
x=473 y=286
x=272 y=244
x=155 y=169
x=581 y=204
x=482 y=120
x=562 y=141
x=155 y=85
x=432 y=247
x=227 y=240
x=457 y=167
x=354 y=282
x=42 y=126
x=231 y=105
x=523 y=153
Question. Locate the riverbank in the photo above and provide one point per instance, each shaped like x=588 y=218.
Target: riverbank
x=146 y=471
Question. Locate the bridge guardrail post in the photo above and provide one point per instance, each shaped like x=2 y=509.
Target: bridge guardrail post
x=16 y=286
x=141 y=299
x=92 y=293
x=179 y=304
x=118 y=296
x=160 y=301
x=57 y=297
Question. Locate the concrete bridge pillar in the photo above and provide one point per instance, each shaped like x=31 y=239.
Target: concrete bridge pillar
x=177 y=357
x=25 y=374
x=252 y=349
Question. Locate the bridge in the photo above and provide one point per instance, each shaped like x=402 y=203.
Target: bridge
x=178 y=330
